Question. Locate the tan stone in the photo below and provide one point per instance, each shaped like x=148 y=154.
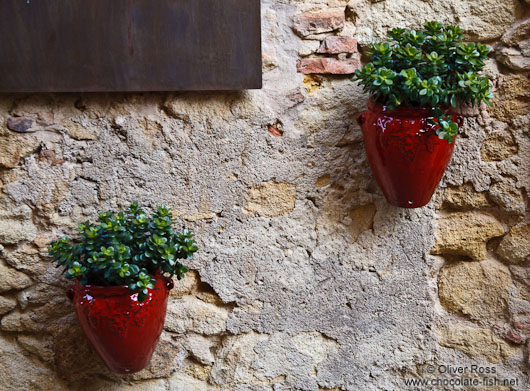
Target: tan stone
x=188 y=313
x=308 y=47
x=198 y=216
x=186 y=285
x=16 y=224
x=162 y=362
x=315 y=345
x=19 y=372
x=235 y=358
x=515 y=247
x=511 y=97
x=271 y=199
x=12 y=279
x=477 y=289
x=39 y=294
x=150 y=128
x=324 y=180
x=464 y=197
x=198 y=371
x=7 y=304
x=312 y=82
x=466 y=233
x=79 y=132
x=200 y=348
x=35 y=319
x=513 y=58
x=506 y=195
x=74 y=358
x=498 y=146
x=15 y=147
x=480 y=19
x=41 y=347
x=475 y=342
x=362 y=219
x=182 y=382
x=517 y=33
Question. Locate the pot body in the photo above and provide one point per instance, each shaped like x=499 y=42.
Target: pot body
x=123 y=331
x=407 y=158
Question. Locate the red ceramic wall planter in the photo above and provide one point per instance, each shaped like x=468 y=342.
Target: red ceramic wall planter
x=407 y=158
x=123 y=331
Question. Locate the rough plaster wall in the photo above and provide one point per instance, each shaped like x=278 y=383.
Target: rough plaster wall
x=306 y=278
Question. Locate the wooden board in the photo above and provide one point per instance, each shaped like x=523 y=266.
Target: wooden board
x=129 y=45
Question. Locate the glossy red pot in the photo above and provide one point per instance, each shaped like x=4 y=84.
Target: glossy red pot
x=123 y=331
x=407 y=159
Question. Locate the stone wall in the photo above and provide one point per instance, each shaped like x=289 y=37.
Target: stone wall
x=306 y=279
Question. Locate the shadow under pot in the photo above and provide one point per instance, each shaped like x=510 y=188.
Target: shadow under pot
x=122 y=331
x=406 y=156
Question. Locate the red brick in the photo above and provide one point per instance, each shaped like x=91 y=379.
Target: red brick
x=319 y=22
x=330 y=66
x=336 y=45
x=275 y=131
x=514 y=337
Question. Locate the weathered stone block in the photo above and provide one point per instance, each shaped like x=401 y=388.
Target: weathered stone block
x=511 y=97
x=12 y=279
x=19 y=372
x=14 y=231
x=506 y=195
x=517 y=33
x=515 y=247
x=41 y=347
x=191 y=314
x=36 y=319
x=324 y=21
x=466 y=233
x=16 y=147
x=464 y=197
x=327 y=66
x=308 y=47
x=477 y=289
x=475 y=342
x=498 y=146
x=235 y=359
x=7 y=304
x=200 y=348
x=513 y=58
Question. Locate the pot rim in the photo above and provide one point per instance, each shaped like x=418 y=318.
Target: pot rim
x=115 y=290
x=404 y=111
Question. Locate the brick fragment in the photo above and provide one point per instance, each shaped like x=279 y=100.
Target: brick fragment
x=319 y=22
x=330 y=66
x=337 y=45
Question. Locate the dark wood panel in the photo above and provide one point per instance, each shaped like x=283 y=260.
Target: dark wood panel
x=129 y=45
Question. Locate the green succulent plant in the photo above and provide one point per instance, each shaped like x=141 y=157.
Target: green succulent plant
x=125 y=248
x=429 y=68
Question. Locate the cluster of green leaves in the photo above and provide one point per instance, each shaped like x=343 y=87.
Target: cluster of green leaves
x=125 y=248
x=429 y=68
